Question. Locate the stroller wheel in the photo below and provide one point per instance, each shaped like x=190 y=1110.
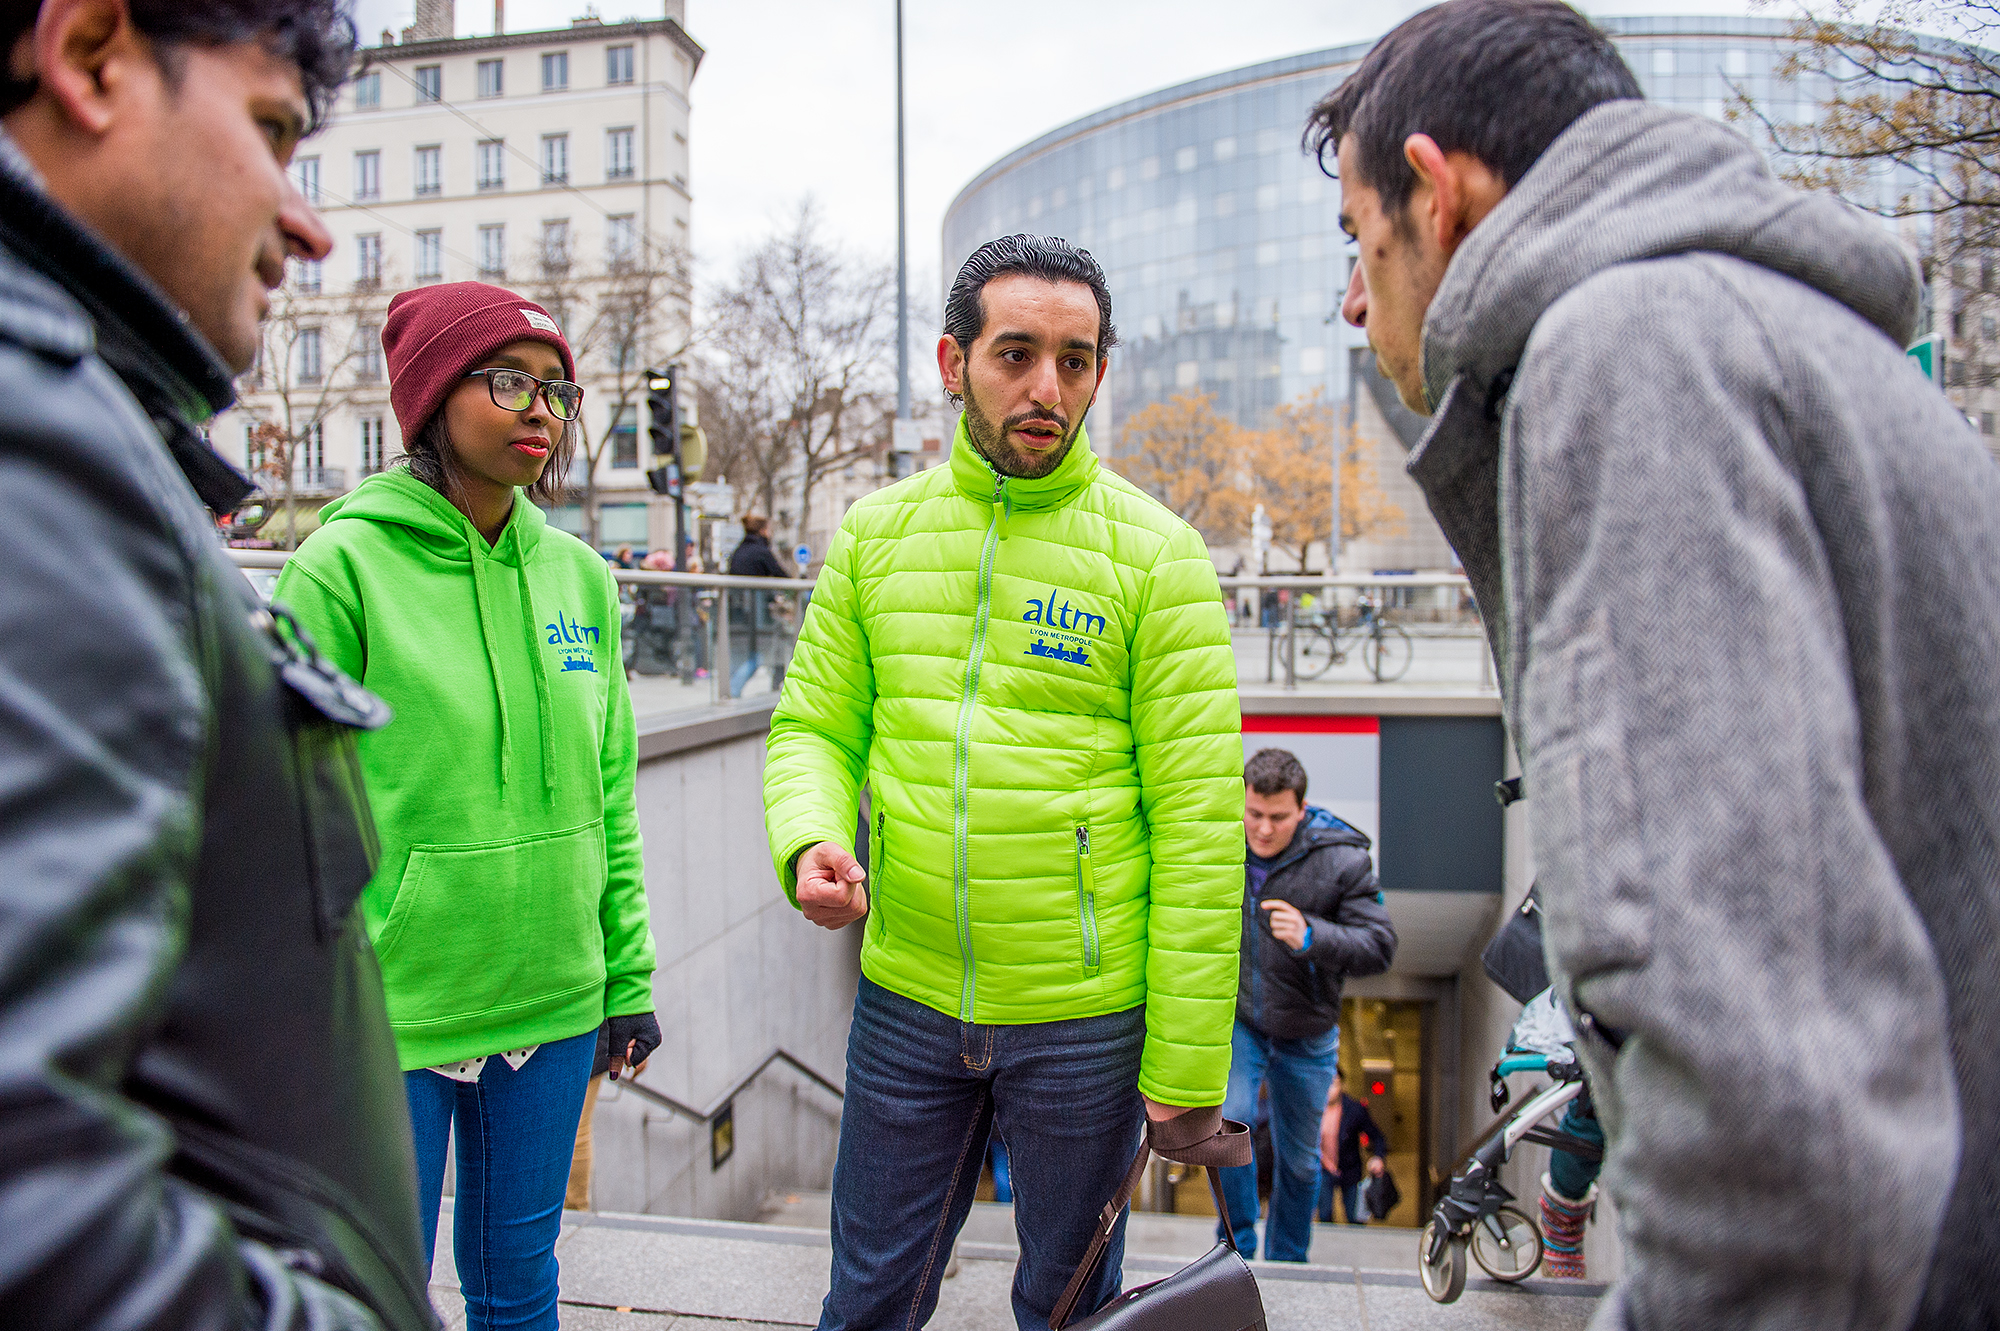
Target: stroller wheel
x=1441 y=1262
x=1515 y=1253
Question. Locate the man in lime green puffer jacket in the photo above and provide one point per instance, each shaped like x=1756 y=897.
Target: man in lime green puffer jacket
x=1027 y=661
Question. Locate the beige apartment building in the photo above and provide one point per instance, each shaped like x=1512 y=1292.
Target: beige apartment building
x=554 y=163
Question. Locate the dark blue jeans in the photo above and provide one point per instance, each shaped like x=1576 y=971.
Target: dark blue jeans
x=923 y=1092
x=1299 y=1074
x=516 y=1133
x=1349 y=1193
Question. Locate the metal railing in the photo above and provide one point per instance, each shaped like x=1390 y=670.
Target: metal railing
x=723 y=1101
x=1311 y=624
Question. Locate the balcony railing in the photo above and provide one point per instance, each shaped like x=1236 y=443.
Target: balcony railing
x=319 y=480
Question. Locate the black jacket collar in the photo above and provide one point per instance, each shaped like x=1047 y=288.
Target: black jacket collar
x=168 y=367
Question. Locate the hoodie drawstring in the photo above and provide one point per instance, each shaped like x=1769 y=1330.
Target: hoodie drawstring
x=543 y=705
x=492 y=652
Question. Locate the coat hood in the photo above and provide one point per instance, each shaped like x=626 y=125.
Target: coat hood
x=1632 y=181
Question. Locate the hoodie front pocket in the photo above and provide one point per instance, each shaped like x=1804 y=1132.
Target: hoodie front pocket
x=494 y=925
x=1086 y=900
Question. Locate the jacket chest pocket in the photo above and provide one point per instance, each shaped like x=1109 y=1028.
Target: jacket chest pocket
x=1086 y=901
x=324 y=711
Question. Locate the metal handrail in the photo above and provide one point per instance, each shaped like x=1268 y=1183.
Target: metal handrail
x=1319 y=581
x=643 y=577
x=707 y=1116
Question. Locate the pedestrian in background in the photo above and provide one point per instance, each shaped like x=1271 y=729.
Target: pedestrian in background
x=509 y=913
x=1666 y=391
x=1345 y=1130
x=752 y=558
x=201 y=1122
x=1312 y=917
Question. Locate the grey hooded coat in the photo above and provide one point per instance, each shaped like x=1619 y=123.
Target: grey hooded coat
x=1740 y=564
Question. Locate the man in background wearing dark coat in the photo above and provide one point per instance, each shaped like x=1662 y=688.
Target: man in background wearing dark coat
x=1344 y=1129
x=1312 y=916
x=752 y=558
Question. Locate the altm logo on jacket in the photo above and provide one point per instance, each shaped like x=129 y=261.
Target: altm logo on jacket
x=577 y=642
x=1061 y=626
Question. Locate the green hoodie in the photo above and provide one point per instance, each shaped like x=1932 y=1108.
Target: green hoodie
x=510 y=906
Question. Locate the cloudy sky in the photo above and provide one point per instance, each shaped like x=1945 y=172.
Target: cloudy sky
x=797 y=97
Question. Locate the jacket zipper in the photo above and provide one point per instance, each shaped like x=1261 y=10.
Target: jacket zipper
x=961 y=766
x=1086 y=897
x=875 y=870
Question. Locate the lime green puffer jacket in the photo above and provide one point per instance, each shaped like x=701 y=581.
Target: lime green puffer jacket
x=1035 y=680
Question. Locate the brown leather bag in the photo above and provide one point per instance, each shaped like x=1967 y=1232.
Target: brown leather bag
x=1214 y=1293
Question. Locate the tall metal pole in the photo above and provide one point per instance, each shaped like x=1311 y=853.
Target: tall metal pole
x=902 y=248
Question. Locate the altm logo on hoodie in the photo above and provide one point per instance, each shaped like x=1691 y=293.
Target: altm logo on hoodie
x=577 y=642
x=1066 y=644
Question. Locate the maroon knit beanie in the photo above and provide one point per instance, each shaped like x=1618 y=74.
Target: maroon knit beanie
x=435 y=334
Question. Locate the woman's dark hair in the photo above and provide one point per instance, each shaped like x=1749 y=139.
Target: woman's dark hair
x=1050 y=258
x=316 y=35
x=1499 y=79
x=433 y=459
x=1272 y=770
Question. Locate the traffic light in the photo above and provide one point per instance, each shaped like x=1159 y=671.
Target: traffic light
x=663 y=427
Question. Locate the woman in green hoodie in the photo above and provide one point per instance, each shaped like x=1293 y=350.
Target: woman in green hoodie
x=509 y=911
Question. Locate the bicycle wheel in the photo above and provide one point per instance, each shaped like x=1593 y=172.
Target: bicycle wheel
x=1386 y=652
x=1313 y=651
x=1444 y=1278
x=1507 y=1244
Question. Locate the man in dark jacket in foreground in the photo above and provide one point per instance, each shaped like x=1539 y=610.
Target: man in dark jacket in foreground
x=1667 y=390
x=1312 y=916
x=202 y=1123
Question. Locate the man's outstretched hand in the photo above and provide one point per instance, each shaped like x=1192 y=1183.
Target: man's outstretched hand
x=830 y=891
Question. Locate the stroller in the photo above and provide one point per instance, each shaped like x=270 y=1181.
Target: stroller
x=1477 y=1215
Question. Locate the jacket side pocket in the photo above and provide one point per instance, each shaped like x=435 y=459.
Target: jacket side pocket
x=1086 y=900
x=878 y=849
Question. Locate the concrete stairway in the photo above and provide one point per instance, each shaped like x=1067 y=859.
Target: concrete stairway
x=656 y=1273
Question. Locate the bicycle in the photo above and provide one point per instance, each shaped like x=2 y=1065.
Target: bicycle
x=1475 y=1216
x=1320 y=643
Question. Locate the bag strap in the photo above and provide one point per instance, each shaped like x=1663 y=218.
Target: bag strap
x=1199 y=1137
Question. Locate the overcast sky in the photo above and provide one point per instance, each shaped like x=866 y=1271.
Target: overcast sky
x=797 y=97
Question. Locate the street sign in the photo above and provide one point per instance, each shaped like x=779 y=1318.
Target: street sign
x=803 y=555
x=1924 y=354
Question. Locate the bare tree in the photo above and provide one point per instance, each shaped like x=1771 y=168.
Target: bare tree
x=620 y=323
x=315 y=351
x=804 y=348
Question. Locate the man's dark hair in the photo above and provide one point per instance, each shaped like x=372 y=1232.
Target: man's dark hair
x=1272 y=770
x=1050 y=258
x=316 y=35
x=1499 y=79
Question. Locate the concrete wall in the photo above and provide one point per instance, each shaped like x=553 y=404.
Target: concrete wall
x=740 y=973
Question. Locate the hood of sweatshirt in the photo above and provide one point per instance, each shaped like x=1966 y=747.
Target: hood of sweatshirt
x=397 y=498
x=1631 y=181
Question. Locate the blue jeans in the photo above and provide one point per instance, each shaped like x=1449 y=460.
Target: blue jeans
x=740 y=674
x=1300 y=1073
x=516 y=1132
x=1349 y=1194
x=923 y=1092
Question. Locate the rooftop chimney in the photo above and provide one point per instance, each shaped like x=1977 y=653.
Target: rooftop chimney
x=499 y=16
x=435 y=20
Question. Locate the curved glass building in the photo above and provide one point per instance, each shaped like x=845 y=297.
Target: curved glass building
x=1220 y=237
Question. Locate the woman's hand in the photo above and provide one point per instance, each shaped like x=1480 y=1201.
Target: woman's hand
x=633 y=1040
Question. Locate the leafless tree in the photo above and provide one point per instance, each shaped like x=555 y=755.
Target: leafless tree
x=800 y=381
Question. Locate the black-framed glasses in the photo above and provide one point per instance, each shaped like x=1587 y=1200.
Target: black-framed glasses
x=515 y=390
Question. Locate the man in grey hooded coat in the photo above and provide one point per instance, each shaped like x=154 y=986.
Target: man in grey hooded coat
x=1740 y=566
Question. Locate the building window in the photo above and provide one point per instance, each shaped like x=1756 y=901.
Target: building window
x=490 y=83
x=368 y=354
x=311 y=366
x=618 y=64
x=555 y=71
x=307 y=170
x=311 y=460
x=367 y=175
x=1987 y=326
x=621 y=234
x=1663 y=61
x=1736 y=64
x=555 y=159
x=493 y=164
x=618 y=154
x=430 y=83
x=310 y=274
x=625 y=438
x=371 y=445
x=368 y=261
x=368 y=91
x=430 y=255
x=555 y=246
x=430 y=171
x=254 y=456
x=493 y=251
x=1986 y=422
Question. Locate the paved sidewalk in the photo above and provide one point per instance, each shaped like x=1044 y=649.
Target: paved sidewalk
x=651 y=1273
